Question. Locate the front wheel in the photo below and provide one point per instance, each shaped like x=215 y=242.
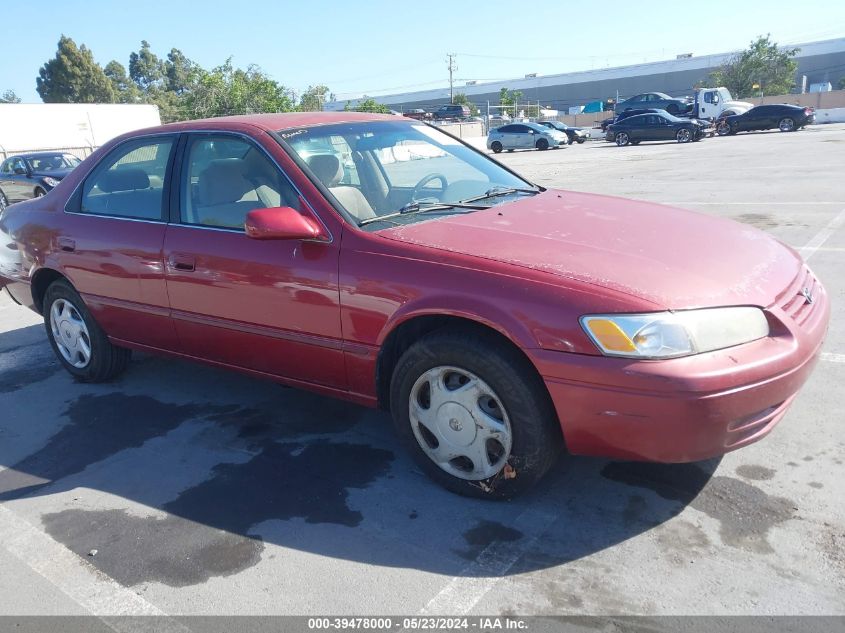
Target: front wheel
x=39 y=192
x=786 y=125
x=622 y=139
x=542 y=144
x=496 y=146
x=723 y=128
x=77 y=340
x=4 y=202
x=684 y=135
x=474 y=414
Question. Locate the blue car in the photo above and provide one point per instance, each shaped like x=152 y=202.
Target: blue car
x=33 y=175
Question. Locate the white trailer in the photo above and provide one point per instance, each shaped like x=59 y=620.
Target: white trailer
x=76 y=127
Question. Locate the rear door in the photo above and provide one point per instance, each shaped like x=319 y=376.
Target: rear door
x=110 y=246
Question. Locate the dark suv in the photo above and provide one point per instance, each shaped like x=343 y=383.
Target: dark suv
x=452 y=111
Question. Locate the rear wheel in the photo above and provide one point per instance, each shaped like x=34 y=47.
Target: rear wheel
x=39 y=192
x=496 y=146
x=542 y=144
x=786 y=125
x=622 y=139
x=684 y=135
x=77 y=340
x=474 y=414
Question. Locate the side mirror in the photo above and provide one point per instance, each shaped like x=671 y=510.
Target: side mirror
x=282 y=223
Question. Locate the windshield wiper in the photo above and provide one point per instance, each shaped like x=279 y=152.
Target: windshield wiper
x=422 y=206
x=495 y=192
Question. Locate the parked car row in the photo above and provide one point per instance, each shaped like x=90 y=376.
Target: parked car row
x=448 y=112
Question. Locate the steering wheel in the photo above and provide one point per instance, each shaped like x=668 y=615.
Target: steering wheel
x=427 y=179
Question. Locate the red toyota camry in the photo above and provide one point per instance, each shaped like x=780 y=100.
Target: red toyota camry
x=377 y=259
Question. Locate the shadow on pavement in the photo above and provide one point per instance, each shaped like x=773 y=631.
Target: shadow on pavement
x=204 y=468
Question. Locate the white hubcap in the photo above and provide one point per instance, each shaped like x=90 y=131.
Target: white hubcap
x=460 y=423
x=70 y=333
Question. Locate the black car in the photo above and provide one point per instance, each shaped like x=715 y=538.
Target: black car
x=658 y=126
x=624 y=115
x=452 y=111
x=784 y=117
x=32 y=175
x=574 y=134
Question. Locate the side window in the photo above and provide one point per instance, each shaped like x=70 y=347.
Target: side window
x=129 y=183
x=708 y=97
x=17 y=163
x=5 y=168
x=507 y=129
x=224 y=178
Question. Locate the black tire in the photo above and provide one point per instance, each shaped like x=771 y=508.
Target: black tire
x=39 y=192
x=622 y=139
x=580 y=141
x=684 y=135
x=723 y=128
x=496 y=146
x=107 y=361
x=542 y=145
x=787 y=124
x=536 y=435
x=4 y=202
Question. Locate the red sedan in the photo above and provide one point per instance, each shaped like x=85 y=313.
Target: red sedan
x=380 y=260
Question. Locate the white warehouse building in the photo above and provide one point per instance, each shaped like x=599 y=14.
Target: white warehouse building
x=821 y=62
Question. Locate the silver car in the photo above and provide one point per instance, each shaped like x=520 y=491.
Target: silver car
x=658 y=100
x=525 y=136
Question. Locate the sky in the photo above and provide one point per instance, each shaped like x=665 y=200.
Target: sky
x=377 y=46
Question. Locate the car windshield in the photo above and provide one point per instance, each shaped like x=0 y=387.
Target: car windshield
x=53 y=162
x=385 y=173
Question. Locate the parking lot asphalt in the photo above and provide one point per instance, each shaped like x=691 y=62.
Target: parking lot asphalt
x=182 y=489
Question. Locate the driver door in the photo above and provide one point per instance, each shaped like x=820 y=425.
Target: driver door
x=269 y=306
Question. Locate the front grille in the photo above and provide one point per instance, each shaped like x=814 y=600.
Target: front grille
x=794 y=302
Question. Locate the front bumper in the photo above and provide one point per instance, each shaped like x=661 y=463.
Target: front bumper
x=691 y=408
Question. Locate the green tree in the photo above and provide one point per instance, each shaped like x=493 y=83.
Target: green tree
x=9 y=96
x=510 y=98
x=313 y=99
x=145 y=68
x=125 y=91
x=762 y=64
x=842 y=83
x=461 y=99
x=73 y=76
x=367 y=104
x=181 y=74
x=227 y=90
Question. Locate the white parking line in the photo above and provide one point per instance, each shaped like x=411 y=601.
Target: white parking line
x=93 y=591
x=833 y=358
x=822 y=236
x=463 y=592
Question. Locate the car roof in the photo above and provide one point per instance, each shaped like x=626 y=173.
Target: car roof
x=269 y=122
x=40 y=154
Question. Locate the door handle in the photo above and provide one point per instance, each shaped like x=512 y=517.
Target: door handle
x=66 y=244
x=183 y=262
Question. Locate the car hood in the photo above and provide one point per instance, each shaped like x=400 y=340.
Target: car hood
x=56 y=174
x=673 y=258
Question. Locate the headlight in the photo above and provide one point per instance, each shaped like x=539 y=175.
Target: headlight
x=50 y=182
x=673 y=334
